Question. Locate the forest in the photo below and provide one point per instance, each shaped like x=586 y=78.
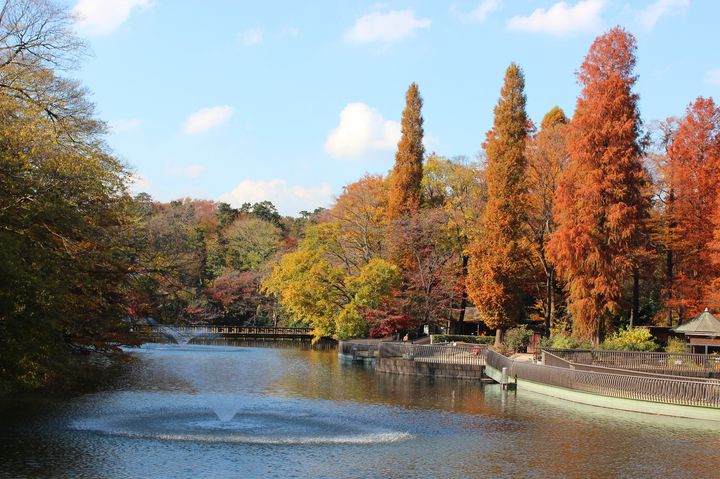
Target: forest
x=580 y=224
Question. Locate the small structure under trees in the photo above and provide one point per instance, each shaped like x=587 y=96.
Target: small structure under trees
x=704 y=333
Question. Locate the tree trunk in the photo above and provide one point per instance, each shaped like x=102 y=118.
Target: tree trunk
x=669 y=282
x=669 y=263
x=498 y=337
x=464 y=296
x=635 y=314
x=549 y=300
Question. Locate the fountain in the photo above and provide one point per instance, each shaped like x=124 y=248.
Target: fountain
x=182 y=336
x=223 y=394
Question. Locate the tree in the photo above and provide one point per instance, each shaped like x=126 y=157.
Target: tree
x=458 y=187
x=360 y=212
x=498 y=257
x=244 y=245
x=407 y=173
x=602 y=201
x=315 y=288
x=64 y=209
x=430 y=266
x=547 y=158
x=692 y=172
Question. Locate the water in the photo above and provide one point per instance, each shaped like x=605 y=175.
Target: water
x=226 y=412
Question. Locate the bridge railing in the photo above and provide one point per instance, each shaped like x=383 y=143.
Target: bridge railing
x=681 y=391
x=234 y=330
x=680 y=364
x=435 y=353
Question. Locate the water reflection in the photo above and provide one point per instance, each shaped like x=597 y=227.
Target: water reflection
x=304 y=414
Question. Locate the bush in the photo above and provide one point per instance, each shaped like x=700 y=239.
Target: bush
x=517 y=339
x=676 y=345
x=462 y=338
x=633 y=339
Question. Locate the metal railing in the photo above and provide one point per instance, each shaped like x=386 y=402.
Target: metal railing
x=682 y=391
x=435 y=353
x=358 y=348
x=679 y=364
x=234 y=330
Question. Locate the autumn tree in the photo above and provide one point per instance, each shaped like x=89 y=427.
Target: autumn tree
x=361 y=212
x=498 y=257
x=457 y=187
x=692 y=178
x=63 y=204
x=407 y=173
x=318 y=288
x=430 y=265
x=547 y=158
x=602 y=202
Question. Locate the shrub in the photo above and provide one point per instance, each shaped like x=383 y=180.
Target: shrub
x=633 y=339
x=462 y=338
x=517 y=339
x=676 y=345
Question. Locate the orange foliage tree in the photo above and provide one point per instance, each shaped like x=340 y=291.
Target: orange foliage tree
x=692 y=174
x=547 y=158
x=360 y=211
x=499 y=255
x=602 y=202
x=406 y=178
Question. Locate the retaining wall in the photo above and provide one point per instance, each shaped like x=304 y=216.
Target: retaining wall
x=438 y=370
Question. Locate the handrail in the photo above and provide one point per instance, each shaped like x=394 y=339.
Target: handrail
x=670 y=390
x=682 y=364
x=550 y=359
x=238 y=330
x=435 y=353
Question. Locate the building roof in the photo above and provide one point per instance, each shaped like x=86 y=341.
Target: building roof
x=704 y=325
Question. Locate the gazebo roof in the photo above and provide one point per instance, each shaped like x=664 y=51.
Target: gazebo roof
x=704 y=325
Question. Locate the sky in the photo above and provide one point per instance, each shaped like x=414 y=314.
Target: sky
x=243 y=101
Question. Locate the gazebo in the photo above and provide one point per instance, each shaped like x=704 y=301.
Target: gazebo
x=703 y=332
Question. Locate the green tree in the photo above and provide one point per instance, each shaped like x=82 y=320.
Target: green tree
x=245 y=245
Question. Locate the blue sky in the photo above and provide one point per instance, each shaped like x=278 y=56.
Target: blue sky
x=289 y=101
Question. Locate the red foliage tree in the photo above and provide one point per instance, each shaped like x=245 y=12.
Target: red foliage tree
x=692 y=174
x=601 y=202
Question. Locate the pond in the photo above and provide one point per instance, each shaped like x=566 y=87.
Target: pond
x=222 y=412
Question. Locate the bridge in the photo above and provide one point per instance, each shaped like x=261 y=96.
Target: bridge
x=184 y=334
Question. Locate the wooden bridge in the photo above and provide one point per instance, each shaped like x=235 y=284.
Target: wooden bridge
x=183 y=334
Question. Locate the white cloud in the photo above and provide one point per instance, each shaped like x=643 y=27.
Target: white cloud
x=100 y=17
x=186 y=171
x=122 y=126
x=250 y=37
x=361 y=130
x=289 y=200
x=651 y=14
x=561 y=18
x=139 y=184
x=290 y=32
x=207 y=118
x=385 y=27
x=480 y=13
x=713 y=77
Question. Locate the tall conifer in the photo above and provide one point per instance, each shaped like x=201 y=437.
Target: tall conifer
x=692 y=173
x=601 y=204
x=498 y=256
x=407 y=173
